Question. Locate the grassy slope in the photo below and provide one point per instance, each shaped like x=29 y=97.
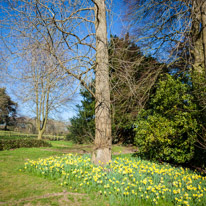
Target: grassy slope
x=15 y=184
x=18 y=188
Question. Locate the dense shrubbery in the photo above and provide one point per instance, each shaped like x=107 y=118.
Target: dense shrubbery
x=168 y=129
x=18 y=143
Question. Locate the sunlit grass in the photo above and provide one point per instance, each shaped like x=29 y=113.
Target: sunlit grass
x=125 y=180
x=24 y=188
x=61 y=143
x=15 y=184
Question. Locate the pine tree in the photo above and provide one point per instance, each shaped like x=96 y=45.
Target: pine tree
x=7 y=109
x=82 y=127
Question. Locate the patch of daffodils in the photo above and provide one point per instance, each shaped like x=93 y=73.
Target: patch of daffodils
x=126 y=179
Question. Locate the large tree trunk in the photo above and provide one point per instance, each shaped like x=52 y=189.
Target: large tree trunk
x=199 y=51
x=103 y=139
x=197 y=39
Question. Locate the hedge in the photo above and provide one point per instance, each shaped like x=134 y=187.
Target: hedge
x=18 y=143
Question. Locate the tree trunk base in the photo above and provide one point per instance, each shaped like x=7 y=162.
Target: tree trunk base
x=39 y=136
x=102 y=156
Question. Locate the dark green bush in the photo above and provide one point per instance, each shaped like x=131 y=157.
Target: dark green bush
x=168 y=130
x=18 y=143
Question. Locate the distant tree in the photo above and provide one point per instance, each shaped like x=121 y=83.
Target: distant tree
x=7 y=109
x=82 y=127
x=44 y=88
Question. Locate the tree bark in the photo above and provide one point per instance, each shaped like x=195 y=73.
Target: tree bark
x=203 y=18
x=40 y=133
x=197 y=39
x=41 y=128
x=199 y=51
x=103 y=141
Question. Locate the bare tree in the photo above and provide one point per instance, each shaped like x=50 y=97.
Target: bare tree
x=42 y=85
x=70 y=30
x=132 y=79
x=172 y=27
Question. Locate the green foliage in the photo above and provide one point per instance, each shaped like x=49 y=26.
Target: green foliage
x=18 y=143
x=168 y=129
x=15 y=135
x=7 y=109
x=82 y=127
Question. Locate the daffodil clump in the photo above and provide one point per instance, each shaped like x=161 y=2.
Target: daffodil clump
x=126 y=179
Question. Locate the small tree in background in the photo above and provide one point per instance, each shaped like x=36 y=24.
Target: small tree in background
x=168 y=130
x=7 y=109
x=43 y=86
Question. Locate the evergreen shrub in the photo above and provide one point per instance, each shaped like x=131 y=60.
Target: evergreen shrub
x=167 y=130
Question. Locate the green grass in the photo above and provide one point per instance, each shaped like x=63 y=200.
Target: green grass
x=86 y=148
x=59 y=144
x=117 y=149
x=18 y=188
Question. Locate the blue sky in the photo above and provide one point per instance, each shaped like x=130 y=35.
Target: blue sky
x=115 y=27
